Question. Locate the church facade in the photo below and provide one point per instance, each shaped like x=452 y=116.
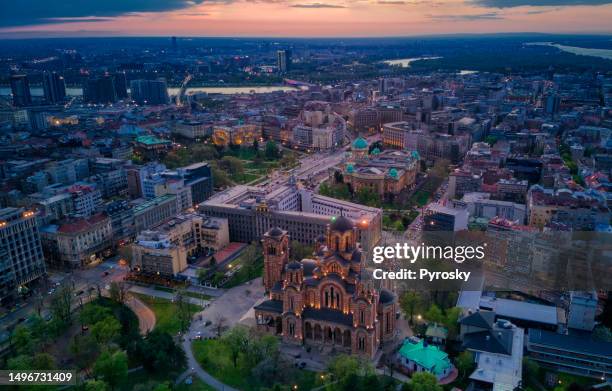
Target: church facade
x=325 y=300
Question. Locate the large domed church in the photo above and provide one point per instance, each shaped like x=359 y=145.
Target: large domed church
x=324 y=300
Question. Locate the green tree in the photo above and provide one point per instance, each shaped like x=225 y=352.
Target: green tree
x=367 y=196
x=118 y=292
x=602 y=333
x=43 y=361
x=112 y=367
x=233 y=165
x=39 y=329
x=464 y=362
x=23 y=362
x=84 y=349
x=434 y=314
x=422 y=381
x=159 y=353
x=61 y=304
x=106 y=330
x=300 y=251
x=220 y=178
x=237 y=341
x=93 y=313
x=344 y=366
x=451 y=320
x=95 y=385
x=271 y=151
x=22 y=340
x=531 y=368
x=410 y=302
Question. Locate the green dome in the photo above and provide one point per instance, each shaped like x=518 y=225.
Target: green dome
x=416 y=155
x=350 y=168
x=393 y=173
x=360 y=143
x=375 y=151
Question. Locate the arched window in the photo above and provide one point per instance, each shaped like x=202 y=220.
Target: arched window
x=337 y=247
x=291 y=329
x=361 y=317
x=361 y=344
x=291 y=303
x=347 y=245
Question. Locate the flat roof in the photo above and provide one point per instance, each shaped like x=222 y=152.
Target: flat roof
x=521 y=310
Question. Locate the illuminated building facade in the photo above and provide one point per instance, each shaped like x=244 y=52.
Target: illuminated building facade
x=324 y=301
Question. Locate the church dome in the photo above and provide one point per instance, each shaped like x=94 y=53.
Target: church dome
x=360 y=143
x=386 y=297
x=415 y=155
x=376 y=151
x=294 y=265
x=393 y=173
x=342 y=224
x=350 y=169
x=275 y=232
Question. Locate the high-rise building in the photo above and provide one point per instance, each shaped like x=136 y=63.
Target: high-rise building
x=100 y=89
x=120 y=85
x=149 y=92
x=283 y=60
x=20 y=88
x=54 y=87
x=21 y=255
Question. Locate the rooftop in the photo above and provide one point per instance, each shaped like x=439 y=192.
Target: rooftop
x=427 y=356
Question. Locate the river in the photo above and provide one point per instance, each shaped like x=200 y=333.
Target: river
x=601 y=53
x=405 y=62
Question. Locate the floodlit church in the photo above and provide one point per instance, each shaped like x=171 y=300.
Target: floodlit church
x=324 y=301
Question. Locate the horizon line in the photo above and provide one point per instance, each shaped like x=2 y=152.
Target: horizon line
x=10 y=36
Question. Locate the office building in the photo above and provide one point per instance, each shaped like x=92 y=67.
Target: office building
x=283 y=60
x=54 y=87
x=100 y=89
x=78 y=242
x=577 y=354
x=439 y=217
x=192 y=129
x=152 y=212
x=20 y=88
x=252 y=211
x=149 y=92
x=21 y=255
x=165 y=249
x=120 y=83
x=480 y=205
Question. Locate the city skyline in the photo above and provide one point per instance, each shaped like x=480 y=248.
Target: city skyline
x=296 y=18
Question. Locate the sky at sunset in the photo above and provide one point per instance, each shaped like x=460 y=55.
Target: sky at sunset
x=299 y=18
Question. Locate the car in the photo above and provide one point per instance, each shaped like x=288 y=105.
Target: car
x=198 y=335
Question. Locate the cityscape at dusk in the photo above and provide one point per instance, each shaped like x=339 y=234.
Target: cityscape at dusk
x=287 y=195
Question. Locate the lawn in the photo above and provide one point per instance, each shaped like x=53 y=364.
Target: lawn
x=165 y=313
x=245 y=273
x=215 y=358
